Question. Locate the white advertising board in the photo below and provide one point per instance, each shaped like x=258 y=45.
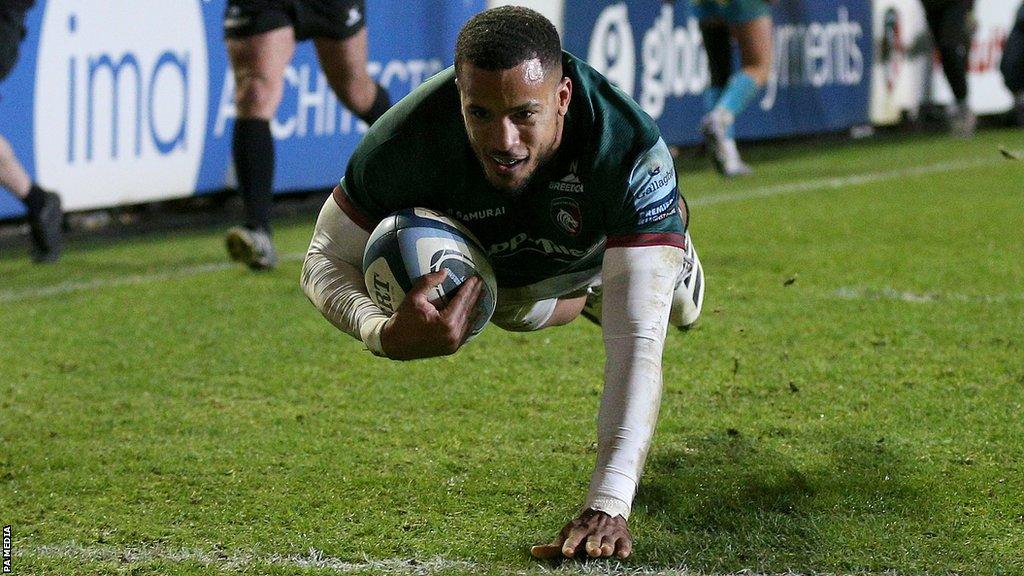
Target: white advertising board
x=908 y=73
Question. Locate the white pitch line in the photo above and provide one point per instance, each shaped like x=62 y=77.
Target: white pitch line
x=134 y=279
x=840 y=182
x=763 y=192
x=314 y=559
x=889 y=293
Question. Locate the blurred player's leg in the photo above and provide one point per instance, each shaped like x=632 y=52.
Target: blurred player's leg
x=344 y=64
x=45 y=217
x=755 y=42
x=948 y=23
x=258 y=63
x=1012 y=65
x=718 y=46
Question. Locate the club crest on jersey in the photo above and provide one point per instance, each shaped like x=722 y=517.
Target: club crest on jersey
x=568 y=183
x=567 y=215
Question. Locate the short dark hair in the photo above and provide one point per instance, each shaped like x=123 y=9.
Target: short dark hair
x=505 y=37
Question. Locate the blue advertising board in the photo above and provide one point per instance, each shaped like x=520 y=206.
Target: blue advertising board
x=117 y=102
x=820 y=77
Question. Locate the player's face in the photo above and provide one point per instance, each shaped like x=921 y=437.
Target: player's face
x=514 y=119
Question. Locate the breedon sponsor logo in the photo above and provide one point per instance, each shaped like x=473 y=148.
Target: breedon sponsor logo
x=120 y=100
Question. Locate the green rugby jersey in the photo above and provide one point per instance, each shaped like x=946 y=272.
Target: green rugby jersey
x=611 y=183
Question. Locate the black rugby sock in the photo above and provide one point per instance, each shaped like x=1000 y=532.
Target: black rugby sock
x=381 y=103
x=252 y=147
x=35 y=199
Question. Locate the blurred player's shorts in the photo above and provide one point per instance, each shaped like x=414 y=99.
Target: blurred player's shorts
x=335 y=19
x=731 y=11
x=12 y=30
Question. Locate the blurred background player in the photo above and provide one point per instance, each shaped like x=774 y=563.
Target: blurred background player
x=45 y=216
x=1012 y=66
x=951 y=25
x=261 y=36
x=749 y=22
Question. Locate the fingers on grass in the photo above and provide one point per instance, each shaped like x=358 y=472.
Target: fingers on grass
x=594 y=545
x=546 y=551
x=600 y=547
x=623 y=548
x=573 y=540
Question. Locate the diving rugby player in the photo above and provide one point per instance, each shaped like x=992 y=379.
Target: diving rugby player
x=572 y=192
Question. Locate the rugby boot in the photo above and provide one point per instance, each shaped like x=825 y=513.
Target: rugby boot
x=592 y=308
x=46 y=228
x=254 y=248
x=725 y=156
x=962 y=121
x=688 y=297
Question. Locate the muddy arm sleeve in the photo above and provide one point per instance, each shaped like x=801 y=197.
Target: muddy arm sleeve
x=333 y=280
x=638 y=285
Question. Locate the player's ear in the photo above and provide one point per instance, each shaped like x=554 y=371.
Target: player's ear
x=564 y=95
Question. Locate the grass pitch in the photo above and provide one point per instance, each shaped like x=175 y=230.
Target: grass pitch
x=851 y=403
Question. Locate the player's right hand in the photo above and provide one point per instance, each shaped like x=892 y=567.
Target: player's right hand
x=594 y=533
x=421 y=328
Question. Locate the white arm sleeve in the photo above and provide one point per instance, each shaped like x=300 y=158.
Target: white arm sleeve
x=637 y=292
x=333 y=280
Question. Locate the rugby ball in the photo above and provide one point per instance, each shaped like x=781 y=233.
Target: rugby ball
x=417 y=241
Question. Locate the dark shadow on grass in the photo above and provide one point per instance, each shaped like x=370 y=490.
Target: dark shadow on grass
x=729 y=502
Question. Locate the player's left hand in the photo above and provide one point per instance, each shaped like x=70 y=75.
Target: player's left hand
x=596 y=533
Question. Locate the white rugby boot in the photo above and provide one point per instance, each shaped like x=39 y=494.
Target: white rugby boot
x=254 y=248
x=688 y=298
x=723 y=151
x=592 y=308
x=962 y=121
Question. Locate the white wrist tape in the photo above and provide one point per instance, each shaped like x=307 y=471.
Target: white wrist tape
x=369 y=333
x=333 y=281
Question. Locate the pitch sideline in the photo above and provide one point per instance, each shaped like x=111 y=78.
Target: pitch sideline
x=799 y=187
x=890 y=293
x=314 y=559
x=83 y=285
x=840 y=182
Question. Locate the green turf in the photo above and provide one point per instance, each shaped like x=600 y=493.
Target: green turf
x=815 y=421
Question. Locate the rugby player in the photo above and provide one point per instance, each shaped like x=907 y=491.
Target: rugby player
x=571 y=190
x=260 y=37
x=952 y=26
x=1012 y=66
x=729 y=93
x=45 y=217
